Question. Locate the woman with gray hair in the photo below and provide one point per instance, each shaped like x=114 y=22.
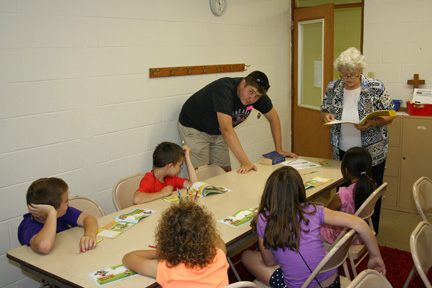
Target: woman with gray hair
x=352 y=97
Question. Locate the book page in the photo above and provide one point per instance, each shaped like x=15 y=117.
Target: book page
x=111 y=274
x=240 y=217
x=367 y=117
x=299 y=164
x=205 y=189
x=114 y=228
x=135 y=215
x=315 y=182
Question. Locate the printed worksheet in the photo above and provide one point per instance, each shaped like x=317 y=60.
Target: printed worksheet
x=111 y=274
x=300 y=164
x=240 y=217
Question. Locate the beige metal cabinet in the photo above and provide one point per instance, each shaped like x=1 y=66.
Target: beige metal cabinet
x=410 y=157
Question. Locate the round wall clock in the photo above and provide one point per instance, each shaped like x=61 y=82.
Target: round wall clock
x=218 y=7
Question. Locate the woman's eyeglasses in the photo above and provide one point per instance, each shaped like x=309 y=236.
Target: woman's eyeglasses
x=344 y=76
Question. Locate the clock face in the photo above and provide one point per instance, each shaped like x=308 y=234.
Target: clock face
x=218 y=7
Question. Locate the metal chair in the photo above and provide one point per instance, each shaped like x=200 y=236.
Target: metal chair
x=87 y=205
x=370 y=279
x=422 y=194
x=334 y=258
x=359 y=251
x=241 y=284
x=124 y=190
x=421 y=250
x=208 y=171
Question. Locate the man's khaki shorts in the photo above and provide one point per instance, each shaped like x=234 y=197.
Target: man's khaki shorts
x=205 y=149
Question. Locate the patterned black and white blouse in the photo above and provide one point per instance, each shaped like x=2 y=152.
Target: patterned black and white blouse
x=373 y=97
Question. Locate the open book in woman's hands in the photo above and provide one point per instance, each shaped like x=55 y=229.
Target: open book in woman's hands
x=367 y=117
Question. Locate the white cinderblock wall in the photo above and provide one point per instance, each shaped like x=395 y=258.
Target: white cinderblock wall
x=397 y=43
x=76 y=100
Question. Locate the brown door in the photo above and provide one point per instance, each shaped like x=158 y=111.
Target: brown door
x=312 y=71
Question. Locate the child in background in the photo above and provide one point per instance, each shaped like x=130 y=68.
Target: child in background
x=289 y=239
x=356 y=168
x=47 y=202
x=163 y=181
x=190 y=252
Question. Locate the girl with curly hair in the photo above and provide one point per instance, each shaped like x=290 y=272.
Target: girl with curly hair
x=190 y=252
x=288 y=229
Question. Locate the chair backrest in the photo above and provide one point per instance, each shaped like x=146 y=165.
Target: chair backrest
x=87 y=205
x=370 y=279
x=124 y=190
x=208 y=171
x=422 y=194
x=242 y=284
x=421 y=249
x=334 y=258
x=367 y=208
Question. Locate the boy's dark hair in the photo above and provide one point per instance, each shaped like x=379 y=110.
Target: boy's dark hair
x=47 y=191
x=258 y=80
x=166 y=153
x=357 y=163
x=186 y=234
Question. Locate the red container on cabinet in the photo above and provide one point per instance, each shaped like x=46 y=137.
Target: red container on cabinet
x=417 y=109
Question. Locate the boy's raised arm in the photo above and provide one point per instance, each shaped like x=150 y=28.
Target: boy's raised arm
x=44 y=240
x=191 y=170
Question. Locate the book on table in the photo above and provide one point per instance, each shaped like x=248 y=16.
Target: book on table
x=367 y=117
x=111 y=274
x=205 y=189
x=240 y=217
x=315 y=182
x=197 y=190
x=123 y=222
x=272 y=158
x=134 y=215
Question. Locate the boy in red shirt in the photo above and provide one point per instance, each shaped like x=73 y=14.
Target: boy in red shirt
x=163 y=181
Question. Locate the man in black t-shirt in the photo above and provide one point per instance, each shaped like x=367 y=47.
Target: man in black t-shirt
x=208 y=117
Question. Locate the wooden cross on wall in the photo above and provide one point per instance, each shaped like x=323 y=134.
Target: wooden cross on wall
x=416 y=82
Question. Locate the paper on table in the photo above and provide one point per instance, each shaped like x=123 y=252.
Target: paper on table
x=316 y=181
x=300 y=164
x=114 y=228
x=111 y=274
x=240 y=217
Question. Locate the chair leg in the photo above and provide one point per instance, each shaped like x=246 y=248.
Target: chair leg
x=233 y=269
x=409 y=277
x=346 y=271
x=353 y=267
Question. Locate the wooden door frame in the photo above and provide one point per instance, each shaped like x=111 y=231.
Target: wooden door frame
x=325 y=12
